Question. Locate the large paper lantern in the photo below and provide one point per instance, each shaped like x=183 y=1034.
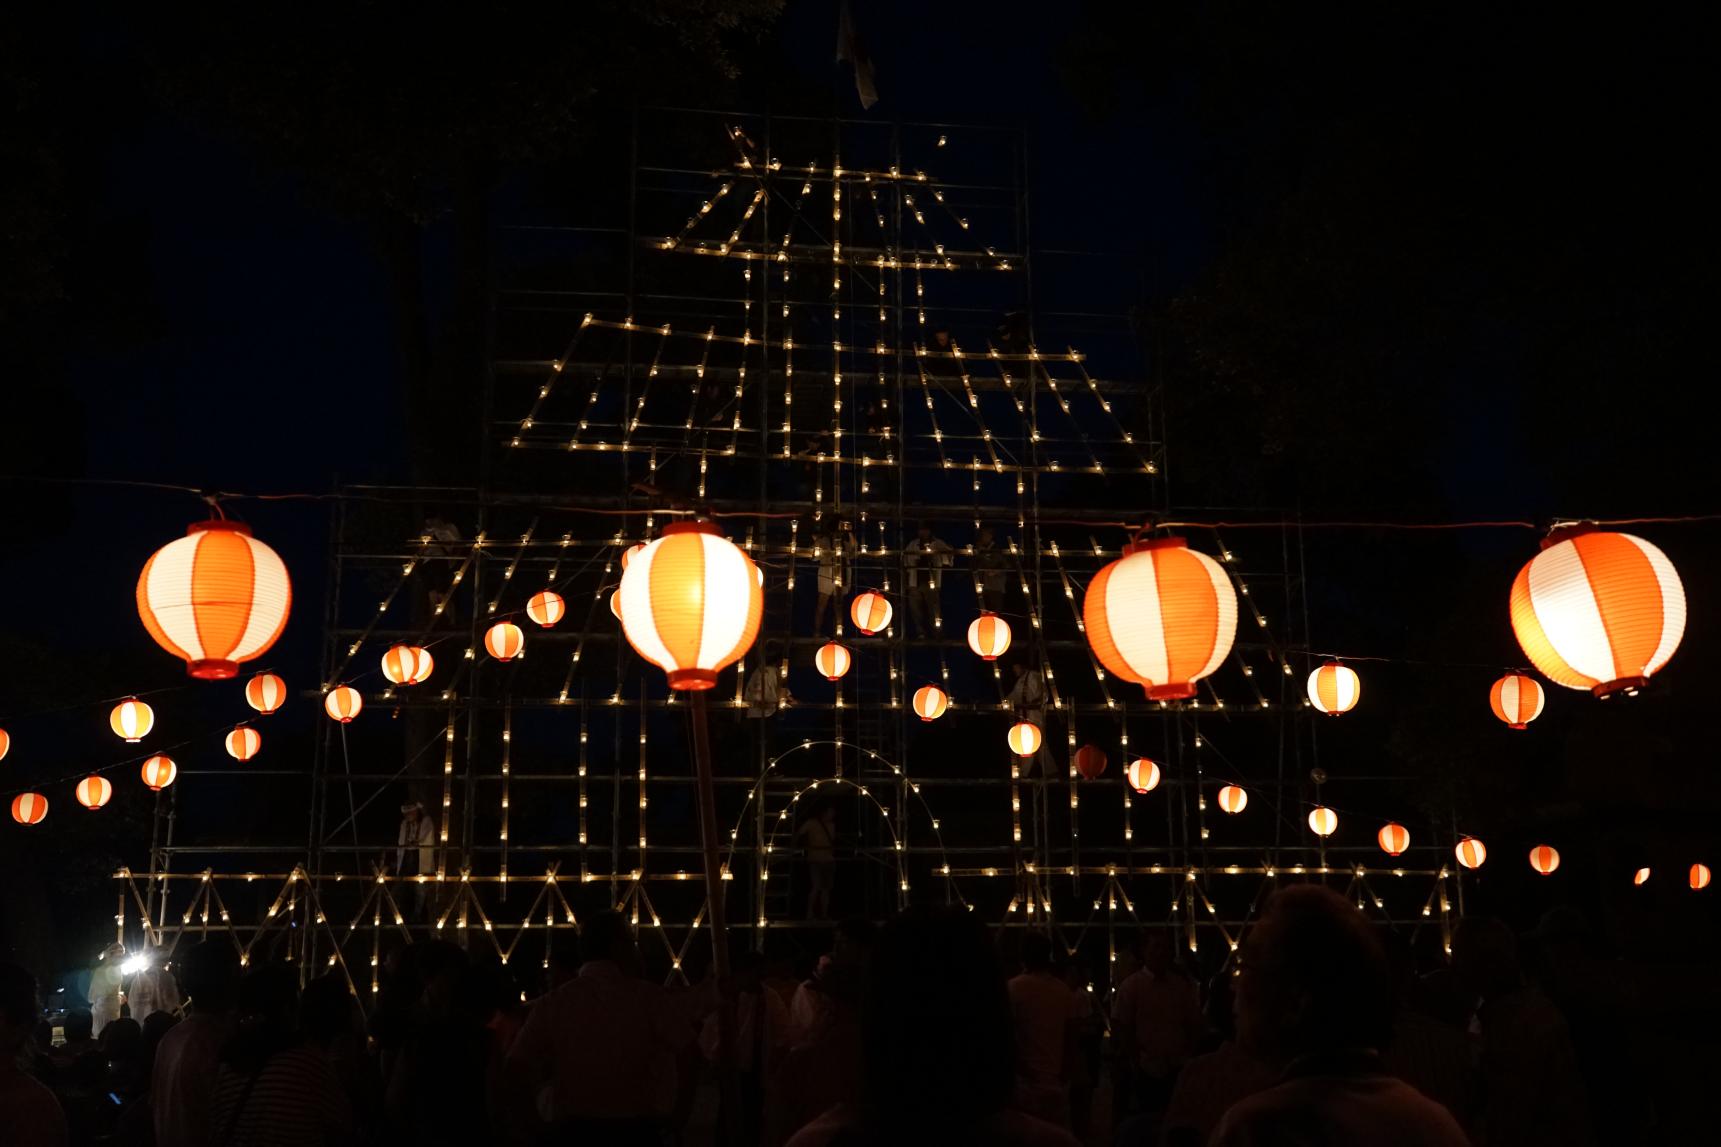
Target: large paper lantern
x=1334 y=688
x=1233 y=799
x=29 y=808
x=214 y=598
x=1323 y=821
x=930 y=702
x=1700 y=877
x=265 y=693
x=1641 y=876
x=1598 y=610
x=1090 y=761
x=989 y=636
x=407 y=664
x=343 y=703
x=243 y=743
x=870 y=611
x=504 y=641
x=159 y=771
x=1142 y=775
x=132 y=720
x=1161 y=616
x=546 y=607
x=1394 y=839
x=1024 y=738
x=628 y=554
x=832 y=660
x=691 y=603
x=94 y=791
x=1470 y=852
x=1517 y=699
x=615 y=603
x=5 y=743
x=1544 y=859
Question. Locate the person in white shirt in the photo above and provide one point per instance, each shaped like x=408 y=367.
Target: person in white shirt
x=415 y=854
x=836 y=555
x=1027 y=700
x=925 y=558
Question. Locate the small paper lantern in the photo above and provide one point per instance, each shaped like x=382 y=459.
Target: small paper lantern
x=1517 y=699
x=1233 y=799
x=1091 y=761
x=1161 y=616
x=832 y=660
x=1598 y=610
x=94 y=791
x=691 y=603
x=1544 y=859
x=1471 y=852
x=407 y=664
x=1323 y=821
x=504 y=641
x=5 y=743
x=546 y=607
x=1334 y=688
x=627 y=555
x=159 y=771
x=1024 y=738
x=1142 y=775
x=930 y=702
x=1641 y=876
x=214 y=598
x=29 y=808
x=265 y=693
x=243 y=743
x=1700 y=876
x=132 y=720
x=870 y=611
x=989 y=636
x=1394 y=839
x=615 y=603
x=343 y=703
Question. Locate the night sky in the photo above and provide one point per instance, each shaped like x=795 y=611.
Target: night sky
x=1420 y=266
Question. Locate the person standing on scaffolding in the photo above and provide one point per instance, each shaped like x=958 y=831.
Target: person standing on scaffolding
x=1027 y=700
x=925 y=558
x=817 y=836
x=415 y=851
x=836 y=546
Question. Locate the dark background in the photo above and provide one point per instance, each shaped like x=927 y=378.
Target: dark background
x=1420 y=262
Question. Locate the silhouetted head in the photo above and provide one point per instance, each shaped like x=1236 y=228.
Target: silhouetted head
x=1157 y=955
x=270 y=995
x=564 y=965
x=940 y=1049
x=1485 y=957
x=1314 y=978
x=1036 y=952
x=156 y=1025
x=18 y=1008
x=924 y=531
x=122 y=1040
x=79 y=1025
x=984 y=537
x=440 y=965
x=208 y=976
x=607 y=936
x=854 y=941
x=327 y=1011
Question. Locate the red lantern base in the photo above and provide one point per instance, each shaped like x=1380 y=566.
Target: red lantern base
x=213 y=669
x=692 y=679
x=1176 y=691
x=1627 y=685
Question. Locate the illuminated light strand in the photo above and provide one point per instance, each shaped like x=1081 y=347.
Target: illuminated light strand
x=987 y=259
x=447 y=796
x=705 y=208
x=616 y=544
x=1148 y=466
x=412 y=564
x=645 y=387
x=1064 y=405
x=509 y=570
x=506 y=765
x=557 y=367
x=932 y=414
x=877 y=350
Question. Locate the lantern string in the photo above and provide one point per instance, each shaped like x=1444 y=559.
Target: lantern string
x=220 y=731
x=105 y=701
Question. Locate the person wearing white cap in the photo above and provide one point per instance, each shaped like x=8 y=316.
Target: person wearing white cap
x=410 y=861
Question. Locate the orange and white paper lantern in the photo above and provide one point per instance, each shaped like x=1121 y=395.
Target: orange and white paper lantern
x=1700 y=877
x=1641 y=876
x=1024 y=738
x=343 y=703
x=214 y=598
x=1598 y=610
x=1544 y=859
x=243 y=743
x=158 y=772
x=930 y=702
x=1334 y=689
x=1091 y=762
x=29 y=808
x=265 y=693
x=1471 y=852
x=870 y=611
x=1233 y=799
x=1394 y=838
x=1517 y=699
x=1161 y=616
x=690 y=603
x=832 y=660
x=94 y=791
x=1142 y=775
x=131 y=720
x=1323 y=821
x=407 y=664
x=5 y=743
x=989 y=636
x=504 y=641
x=546 y=607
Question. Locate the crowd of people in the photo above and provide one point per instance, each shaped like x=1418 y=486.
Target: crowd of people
x=929 y=1029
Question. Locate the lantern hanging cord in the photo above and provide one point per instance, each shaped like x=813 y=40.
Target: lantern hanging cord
x=163 y=750
x=48 y=712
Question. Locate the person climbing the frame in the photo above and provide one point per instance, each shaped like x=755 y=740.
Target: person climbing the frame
x=836 y=547
x=817 y=836
x=926 y=558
